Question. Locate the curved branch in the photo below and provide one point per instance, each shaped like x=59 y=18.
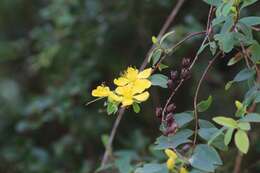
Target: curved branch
x=196 y=96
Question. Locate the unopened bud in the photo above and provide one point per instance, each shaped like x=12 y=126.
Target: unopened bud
x=185 y=62
x=170 y=84
x=185 y=74
x=174 y=75
x=171 y=107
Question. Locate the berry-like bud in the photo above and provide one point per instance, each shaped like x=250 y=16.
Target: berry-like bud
x=171 y=107
x=185 y=74
x=174 y=75
x=185 y=62
x=171 y=129
x=170 y=84
x=169 y=119
x=158 y=112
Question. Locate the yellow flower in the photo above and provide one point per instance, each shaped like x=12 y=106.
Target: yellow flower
x=135 y=78
x=101 y=91
x=104 y=91
x=129 y=95
x=183 y=170
x=172 y=156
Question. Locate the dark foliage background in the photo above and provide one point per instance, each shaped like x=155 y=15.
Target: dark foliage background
x=53 y=52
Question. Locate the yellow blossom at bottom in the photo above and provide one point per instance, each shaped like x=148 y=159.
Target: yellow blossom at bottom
x=183 y=170
x=172 y=156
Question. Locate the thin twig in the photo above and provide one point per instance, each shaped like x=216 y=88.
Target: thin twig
x=166 y=25
x=196 y=96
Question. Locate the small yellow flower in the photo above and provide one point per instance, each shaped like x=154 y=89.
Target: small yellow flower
x=129 y=95
x=137 y=79
x=104 y=91
x=183 y=170
x=172 y=156
x=101 y=91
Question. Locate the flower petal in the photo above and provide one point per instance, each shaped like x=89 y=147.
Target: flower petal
x=114 y=97
x=170 y=153
x=121 y=81
x=101 y=91
x=183 y=170
x=170 y=163
x=131 y=73
x=145 y=73
x=142 y=97
x=140 y=85
x=127 y=102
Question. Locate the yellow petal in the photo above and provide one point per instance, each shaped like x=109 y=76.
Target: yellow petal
x=183 y=170
x=127 y=102
x=115 y=97
x=170 y=153
x=170 y=163
x=140 y=85
x=131 y=73
x=120 y=90
x=121 y=81
x=145 y=74
x=142 y=97
x=101 y=91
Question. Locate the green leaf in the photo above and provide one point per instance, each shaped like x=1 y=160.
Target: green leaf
x=111 y=108
x=162 y=66
x=156 y=55
x=165 y=36
x=244 y=126
x=247 y=3
x=235 y=59
x=228 y=136
x=136 y=108
x=251 y=117
x=152 y=168
x=181 y=137
x=228 y=85
x=244 y=74
x=201 y=49
x=226 y=41
x=250 y=21
x=208 y=130
x=255 y=51
x=159 y=80
x=183 y=118
x=123 y=161
x=242 y=141
x=205 y=158
x=227 y=122
x=213 y=47
x=205 y=104
x=105 y=139
x=213 y=2
x=227 y=8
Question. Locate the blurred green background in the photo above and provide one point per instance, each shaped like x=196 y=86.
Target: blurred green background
x=54 y=52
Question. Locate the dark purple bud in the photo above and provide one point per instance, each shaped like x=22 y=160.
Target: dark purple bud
x=171 y=107
x=169 y=119
x=185 y=74
x=158 y=112
x=174 y=75
x=170 y=84
x=185 y=62
x=171 y=129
